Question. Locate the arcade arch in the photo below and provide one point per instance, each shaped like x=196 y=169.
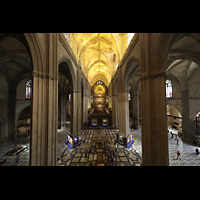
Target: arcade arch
x=65 y=99
x=125 y=74
x=183 y=64
x=16 y=65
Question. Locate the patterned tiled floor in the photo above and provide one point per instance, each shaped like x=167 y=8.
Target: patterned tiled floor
x=11 y=159
x=80 y=156
x=188 y=155
x=123 y=157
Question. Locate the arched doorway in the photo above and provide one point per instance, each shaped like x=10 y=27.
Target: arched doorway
x=129 y=79
x=65 y=107
x=134 y=103
x=65 y=97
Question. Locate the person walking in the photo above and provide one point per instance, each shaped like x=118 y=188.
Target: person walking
x=178 y=154
x=197 y=151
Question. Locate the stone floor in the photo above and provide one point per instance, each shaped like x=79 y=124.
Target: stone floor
x=11 y=159
x=80 y=156
x=187 y=156
x=124 y=157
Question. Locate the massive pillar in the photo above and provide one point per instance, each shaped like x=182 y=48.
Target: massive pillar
x=85 y=100
x=134 y=107
x=153 y=104
x=114 y=103
x=45 y=109
x=185 y=113
x=11 y=113
x=188 y=125
x=123 y=107
x=63 y=110
x=110 y=96
x=89 y=96
x=76 y=106
x=79 y=101
x=73 y=125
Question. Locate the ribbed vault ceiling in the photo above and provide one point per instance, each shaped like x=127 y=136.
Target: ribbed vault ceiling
x=99 y=53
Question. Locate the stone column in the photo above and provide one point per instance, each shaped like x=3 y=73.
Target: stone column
x=44 y=120
x=12 y=132
x=73 y=125
x=110 y=96
x=114 y=104
x=123 y=106
x=134 y=106
x=63 y=109
x=85 y=100
x=123 y=113
x=79 y=101
x=188 y=125
x=185 y=113
x=89 y=96
x=45 y=110
x=53 y=99
x=153 y=105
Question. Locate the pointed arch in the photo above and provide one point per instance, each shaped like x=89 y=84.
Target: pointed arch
x=163 y=47
x=69 y=70
x=36 y=52
x=131 y=67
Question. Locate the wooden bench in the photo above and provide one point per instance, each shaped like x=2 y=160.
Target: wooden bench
x=13 y=150
x=21 y=150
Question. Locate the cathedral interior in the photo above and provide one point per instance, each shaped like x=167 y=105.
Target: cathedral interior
x=99 y=99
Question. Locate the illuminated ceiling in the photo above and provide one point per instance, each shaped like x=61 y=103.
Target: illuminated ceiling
x=99 y=53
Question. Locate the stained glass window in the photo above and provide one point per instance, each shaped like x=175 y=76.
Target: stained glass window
x=99 y=82
x=28 y=89
x=168 y=88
